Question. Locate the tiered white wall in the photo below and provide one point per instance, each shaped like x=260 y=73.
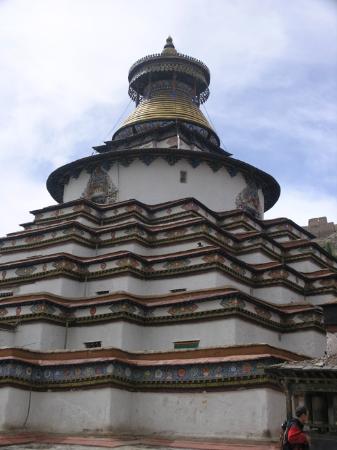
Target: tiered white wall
x=136 y=338
x=252 y=413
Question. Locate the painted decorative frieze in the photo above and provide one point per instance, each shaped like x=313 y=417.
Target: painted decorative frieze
x=248 y=199
x=191 y=375
x=100 y=188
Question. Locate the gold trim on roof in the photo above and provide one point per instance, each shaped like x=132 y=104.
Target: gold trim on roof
x=163 y=106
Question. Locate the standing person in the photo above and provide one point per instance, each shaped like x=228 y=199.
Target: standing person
x=295 y=438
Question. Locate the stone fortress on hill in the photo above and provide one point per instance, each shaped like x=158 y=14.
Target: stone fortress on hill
x=154 y=296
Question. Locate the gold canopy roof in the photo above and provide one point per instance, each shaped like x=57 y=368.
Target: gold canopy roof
x=165 y=106
x=168 y=87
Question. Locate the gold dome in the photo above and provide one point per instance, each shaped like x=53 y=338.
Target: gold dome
x=165 y=106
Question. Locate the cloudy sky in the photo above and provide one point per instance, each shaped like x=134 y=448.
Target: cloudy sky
x=63 y=88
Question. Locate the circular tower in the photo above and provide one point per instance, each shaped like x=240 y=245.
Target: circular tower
x=166 y=149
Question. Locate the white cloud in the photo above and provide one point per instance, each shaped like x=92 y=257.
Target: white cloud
x=63 y=81
x=302 y=203
x=23 y=195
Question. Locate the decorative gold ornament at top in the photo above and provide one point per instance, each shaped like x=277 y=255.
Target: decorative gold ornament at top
x=169 y=49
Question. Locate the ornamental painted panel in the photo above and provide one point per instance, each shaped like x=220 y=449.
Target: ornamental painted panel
x=65 y=265
x=134 y=208
x=100 y=188
x=124 y=307
x=248 y=199
x=25 y=271
x=232 y=303
x=191 y=206
x=278 y=273
x=128 y=262
x=39 y=308
x=175 y=233
x=182 y=309
x=238 y=269
x=3 y=312
x=263 y=312
x=178 y=264
x=34 y=239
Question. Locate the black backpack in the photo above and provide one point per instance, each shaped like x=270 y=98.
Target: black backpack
x=284 y=444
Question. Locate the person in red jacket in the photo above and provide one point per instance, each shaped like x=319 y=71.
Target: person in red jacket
x=297 y=438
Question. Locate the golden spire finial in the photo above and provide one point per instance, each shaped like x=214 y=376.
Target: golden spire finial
x=169 y=48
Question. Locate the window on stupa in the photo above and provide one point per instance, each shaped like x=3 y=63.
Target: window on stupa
x=6 y=294
x=183 y=176
x=93 y=344
x=181 y=345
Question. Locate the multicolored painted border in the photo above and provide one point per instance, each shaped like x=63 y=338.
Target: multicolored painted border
x=136 y=377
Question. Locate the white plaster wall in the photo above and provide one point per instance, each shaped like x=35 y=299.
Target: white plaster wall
x=151 y=251
x=76 y=187
x=331 y=344
x=39 y=336
x=71 y=288
x=321 y=299
x=308 y=342
x=104 y=409
x=305 y=266
x=13 y=407
x=58 y=286
x=255 y=258
x=159 y=183
x=283 y=238
x=137 y=338
x=6 y=338
x=71 y=248
x=278 y=295
x=87 y=252
x=111 y=335
x=210 y=334
x=245 y=413
x=275 y=412
x=158 y=286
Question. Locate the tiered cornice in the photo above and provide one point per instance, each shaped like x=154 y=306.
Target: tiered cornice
x=205 y=305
